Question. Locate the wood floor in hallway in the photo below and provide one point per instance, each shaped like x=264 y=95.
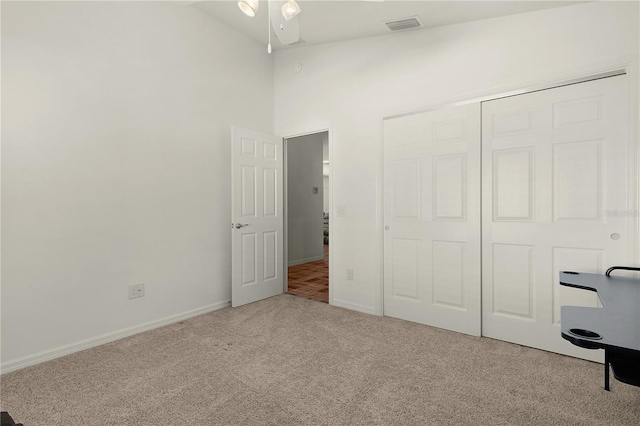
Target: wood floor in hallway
x=311 y=280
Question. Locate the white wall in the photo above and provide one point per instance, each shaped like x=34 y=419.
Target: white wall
x=354 y=84
x=304 y=208
x=115 y=165
x=326 y=195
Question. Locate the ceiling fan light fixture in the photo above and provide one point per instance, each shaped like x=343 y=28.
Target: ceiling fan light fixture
x=249 y=7
x=290 y=9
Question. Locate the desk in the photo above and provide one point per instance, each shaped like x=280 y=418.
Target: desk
x=615 y=327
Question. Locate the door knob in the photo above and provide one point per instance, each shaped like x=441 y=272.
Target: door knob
x=241 y=225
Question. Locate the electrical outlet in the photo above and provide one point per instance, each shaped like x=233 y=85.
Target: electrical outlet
x=136 y=290
x=341 y=211
x=349 y=274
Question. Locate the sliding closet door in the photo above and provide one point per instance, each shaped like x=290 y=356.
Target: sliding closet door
x=554 y=163
x=432 y=218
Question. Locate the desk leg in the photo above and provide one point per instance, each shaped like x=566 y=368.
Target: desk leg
x=606 y=370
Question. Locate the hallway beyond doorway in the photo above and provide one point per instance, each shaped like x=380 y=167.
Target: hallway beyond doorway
x=311 y=280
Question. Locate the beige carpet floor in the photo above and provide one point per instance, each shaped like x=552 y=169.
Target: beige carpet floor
x=288 y=360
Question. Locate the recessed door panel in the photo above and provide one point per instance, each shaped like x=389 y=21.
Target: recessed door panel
x=578 y=111
x=270 y=191
x=513 y=179
x=577 y=180
x=402 y=137
x=248 y=194
x=249 y=249
x=405 y=264
x=449 y=187
x=406 y=180
x=270 y=151
x=448 y=274
x=448 y=131
x=511 y=123
x=248 y=147
x=270 y=255
x=512 y=280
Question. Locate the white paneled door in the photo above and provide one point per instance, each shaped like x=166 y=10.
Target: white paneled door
x=432 y=218
x=257 y=216
x=554 y=194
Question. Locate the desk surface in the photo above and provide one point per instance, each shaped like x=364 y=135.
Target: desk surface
x=617 y=322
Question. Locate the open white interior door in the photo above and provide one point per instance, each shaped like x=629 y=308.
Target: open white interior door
x=257 y=216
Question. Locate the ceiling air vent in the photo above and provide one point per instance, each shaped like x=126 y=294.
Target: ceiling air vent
x=404 y=24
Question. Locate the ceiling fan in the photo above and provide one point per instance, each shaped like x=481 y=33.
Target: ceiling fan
x=282 y=18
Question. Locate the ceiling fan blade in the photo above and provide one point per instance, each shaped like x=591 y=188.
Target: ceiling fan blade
x=287 y=32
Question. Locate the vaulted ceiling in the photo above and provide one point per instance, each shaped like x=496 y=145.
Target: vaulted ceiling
x=329 y=21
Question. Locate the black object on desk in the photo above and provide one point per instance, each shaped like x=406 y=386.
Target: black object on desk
x=615 y=327
x=6 y=420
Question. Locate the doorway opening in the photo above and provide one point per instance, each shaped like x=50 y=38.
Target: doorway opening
x=307 y=206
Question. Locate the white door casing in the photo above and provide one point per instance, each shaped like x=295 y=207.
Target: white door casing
x=554 y=162
x=257 y=216
x=432 y=218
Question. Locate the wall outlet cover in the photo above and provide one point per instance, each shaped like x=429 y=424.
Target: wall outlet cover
x=136 y=290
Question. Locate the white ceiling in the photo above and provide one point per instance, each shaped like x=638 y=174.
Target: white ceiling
x=328 y=21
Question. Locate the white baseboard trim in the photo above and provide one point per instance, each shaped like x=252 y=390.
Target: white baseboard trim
x=353 y=306
x=48 y=355
x=307 y=260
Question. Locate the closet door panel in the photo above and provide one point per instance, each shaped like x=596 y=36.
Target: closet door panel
x=432 y=218
x=554 y=162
